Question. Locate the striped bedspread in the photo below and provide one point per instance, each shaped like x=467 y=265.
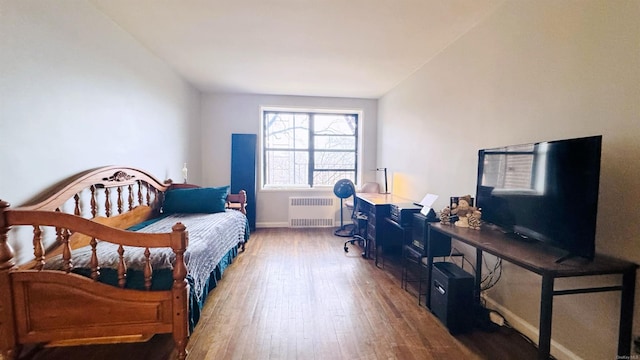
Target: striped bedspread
x=211 y=236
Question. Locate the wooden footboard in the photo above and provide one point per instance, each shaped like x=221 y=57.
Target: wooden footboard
x=48 y=306
x=41 y=306
x=52 y=306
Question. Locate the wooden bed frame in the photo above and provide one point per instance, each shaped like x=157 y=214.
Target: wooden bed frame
x=60 y=307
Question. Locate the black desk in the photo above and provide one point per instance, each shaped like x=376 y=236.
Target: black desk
x=541 y=259
x=377 y=207
x=405 y=237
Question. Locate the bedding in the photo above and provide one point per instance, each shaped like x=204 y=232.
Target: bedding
x=211 y=237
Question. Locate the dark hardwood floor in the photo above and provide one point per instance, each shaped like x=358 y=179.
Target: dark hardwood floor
x=295 y=294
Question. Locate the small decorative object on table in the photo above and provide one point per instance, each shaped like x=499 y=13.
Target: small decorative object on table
x=185 y=172
x=474 y=219
x=445 y=216
x=463 y=208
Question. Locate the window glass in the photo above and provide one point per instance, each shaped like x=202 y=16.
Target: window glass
x=307 y=149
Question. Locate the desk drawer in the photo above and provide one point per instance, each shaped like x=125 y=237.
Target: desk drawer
x=403 y=213
x=371 y=228
x=371 y=231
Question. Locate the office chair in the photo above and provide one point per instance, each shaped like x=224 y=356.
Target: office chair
x=368 y=187
x=359 y=219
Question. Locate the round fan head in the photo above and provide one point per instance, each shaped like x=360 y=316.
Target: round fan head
x=344 y=188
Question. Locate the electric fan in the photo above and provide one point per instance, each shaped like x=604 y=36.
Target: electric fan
x=344 y=189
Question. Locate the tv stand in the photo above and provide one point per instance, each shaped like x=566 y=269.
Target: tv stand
x=543 y=260
x=582 y=260
x=518 y=237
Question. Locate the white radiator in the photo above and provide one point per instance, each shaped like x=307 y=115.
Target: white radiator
x=312 y=211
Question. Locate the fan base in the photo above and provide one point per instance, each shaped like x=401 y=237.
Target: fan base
x=345 y=231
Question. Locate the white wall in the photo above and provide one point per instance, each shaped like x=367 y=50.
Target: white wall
x=77 y=92
x=531 y=71
x=226 y=114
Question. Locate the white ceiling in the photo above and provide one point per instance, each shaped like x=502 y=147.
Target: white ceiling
x=340 y=48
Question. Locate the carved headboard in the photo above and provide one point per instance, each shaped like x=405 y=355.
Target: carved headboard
x=103 y=191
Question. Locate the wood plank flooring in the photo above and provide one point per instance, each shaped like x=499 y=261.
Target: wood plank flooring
x=295 y=294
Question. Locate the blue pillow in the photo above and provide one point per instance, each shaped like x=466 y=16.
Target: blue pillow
x=196 y=200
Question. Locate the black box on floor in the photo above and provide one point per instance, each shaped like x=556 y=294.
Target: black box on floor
x=452 y=297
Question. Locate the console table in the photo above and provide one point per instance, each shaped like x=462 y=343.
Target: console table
x=541 y=259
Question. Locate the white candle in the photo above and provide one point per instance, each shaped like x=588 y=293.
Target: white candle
x=185 y=171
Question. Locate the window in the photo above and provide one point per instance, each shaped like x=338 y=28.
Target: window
x=516 y=169
x=309 y=149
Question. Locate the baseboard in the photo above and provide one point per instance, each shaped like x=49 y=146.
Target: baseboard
x=285 y=224
x=557 y=350
x=272 y=224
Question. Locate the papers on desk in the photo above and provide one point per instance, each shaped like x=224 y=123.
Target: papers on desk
x=427 y=203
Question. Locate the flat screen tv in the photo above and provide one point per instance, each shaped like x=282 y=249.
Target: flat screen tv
x=544 y=191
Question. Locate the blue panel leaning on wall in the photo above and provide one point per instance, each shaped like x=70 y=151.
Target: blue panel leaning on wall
x=243 y=171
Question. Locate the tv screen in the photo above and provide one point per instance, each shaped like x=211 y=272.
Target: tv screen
x=544 y=191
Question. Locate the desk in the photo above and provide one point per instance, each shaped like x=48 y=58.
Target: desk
x=541 y=259
x=377 y=207
x=391 y=226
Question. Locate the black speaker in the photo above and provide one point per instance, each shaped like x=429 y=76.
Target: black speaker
x=452 y=297
x=243 y=171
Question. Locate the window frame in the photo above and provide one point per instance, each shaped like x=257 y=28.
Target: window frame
x=357 y=152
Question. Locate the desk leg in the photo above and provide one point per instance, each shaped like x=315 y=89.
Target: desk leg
x=626 y=313
x=429 y=255
x=381 y=239
x=478 y=279
x=546 y=311
x=427 y=299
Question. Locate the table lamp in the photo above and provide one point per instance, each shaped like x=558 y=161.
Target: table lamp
x=386 y=189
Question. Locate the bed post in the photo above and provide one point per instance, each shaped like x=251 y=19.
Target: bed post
x=8 y=344
x=179 y=243
x=6 y=252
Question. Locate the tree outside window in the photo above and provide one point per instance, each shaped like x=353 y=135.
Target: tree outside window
x=309 y=149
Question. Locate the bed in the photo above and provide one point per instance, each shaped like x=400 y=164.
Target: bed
x=118 y=256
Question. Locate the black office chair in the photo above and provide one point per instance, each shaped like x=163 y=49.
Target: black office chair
x=344 y=189
x=360 y=223
x=368 y=187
